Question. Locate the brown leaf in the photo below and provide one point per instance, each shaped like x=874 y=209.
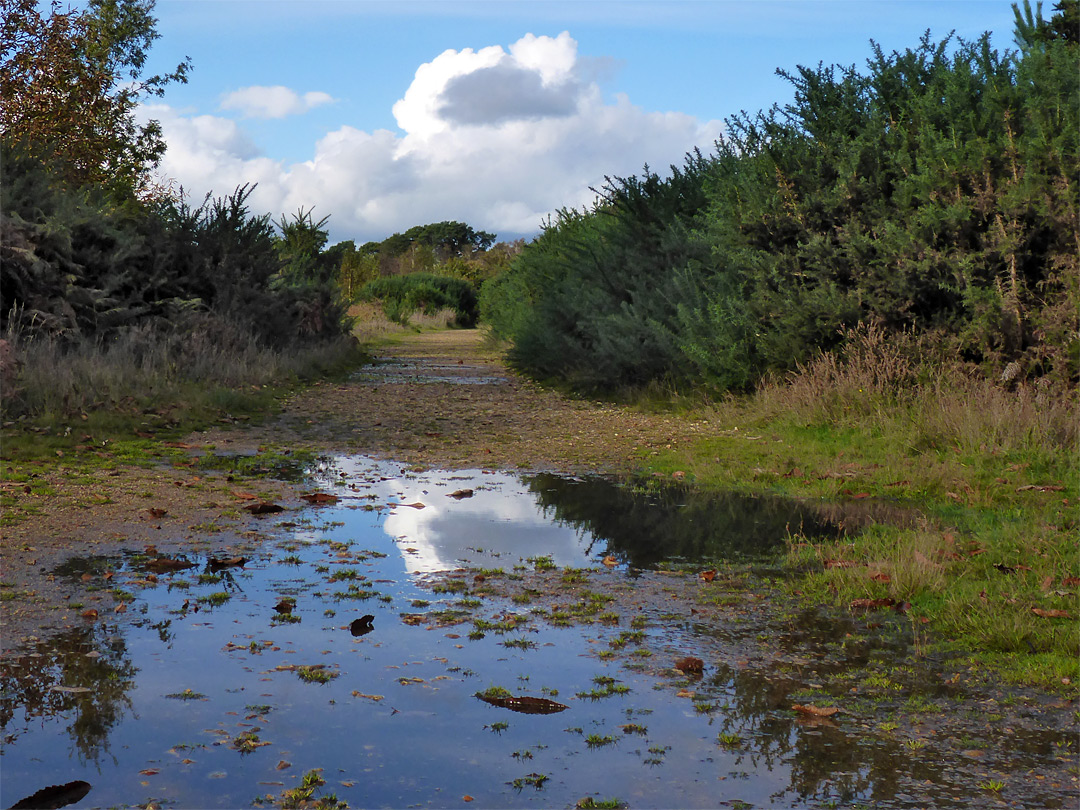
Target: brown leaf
x=180 y=445
x=264 y=508
x=157 y=513
x=1068 y=582
x=841 y=563
x=1051 y=614
x=609 y=561
x=89 y=614
x=467 y=798
x=1047 y=583
x=880 y=577
x=319 y=498
x=690 y=664
x=708 y=576
x=815 y=711
x=149 y=772
x=461 y=493
x=244 y=496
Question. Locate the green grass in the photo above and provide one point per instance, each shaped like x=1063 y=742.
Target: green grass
x=977 y=492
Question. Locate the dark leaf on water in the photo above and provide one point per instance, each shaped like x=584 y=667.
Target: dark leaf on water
x=54 y=796
x=264 y=508
x=525 y=705
x=165 y=564
x=362 y=626
x=229 y=562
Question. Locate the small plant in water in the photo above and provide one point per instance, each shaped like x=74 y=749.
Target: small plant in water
x=597 y=740
x=494 y=693
x=187 y=694
x=993 y=785
x=522 y=755
x=499 y=727
x=729 y=740
x=215 y=599
x=589 y=803
x=315 y=674
x=535 y=779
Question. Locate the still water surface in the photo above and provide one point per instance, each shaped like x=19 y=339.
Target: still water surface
x=199 y=702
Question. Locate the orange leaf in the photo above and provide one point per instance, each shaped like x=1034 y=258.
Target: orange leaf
x=610 y=560
x=244 y=496
x=708 y=576
x=319 y=498
x=880 y=577
x=1051 y=614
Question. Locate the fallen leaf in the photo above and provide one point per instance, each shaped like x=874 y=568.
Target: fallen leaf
x=461 y=493
x=1051 y=614
x=89 y=614
x=467 y=798
x=841 y=563
x=319 y=498
x=610 y=561
x=264 y=508
x=244 y=496
x=690 y=664
x=880 y=577
x=815 y=711
x=149 y=772
x=1047 y=582
x=708 y=576
x=684 y=693
x=157 y=513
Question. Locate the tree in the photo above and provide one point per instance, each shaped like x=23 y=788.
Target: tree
x=71 y=82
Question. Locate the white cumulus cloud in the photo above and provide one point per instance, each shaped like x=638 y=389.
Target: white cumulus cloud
x=272 y=102
x=498 y=138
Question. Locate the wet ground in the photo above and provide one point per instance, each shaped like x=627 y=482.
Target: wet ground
x=222 y=684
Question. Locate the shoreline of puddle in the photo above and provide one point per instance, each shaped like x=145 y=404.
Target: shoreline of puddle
x=195 y=695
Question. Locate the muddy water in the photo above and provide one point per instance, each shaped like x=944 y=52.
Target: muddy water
x=222 y=687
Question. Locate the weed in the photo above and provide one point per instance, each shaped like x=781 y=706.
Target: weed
x=729 y=740
x=187 y=694
x=215 y=599
x=598 y=741
x=315 y=674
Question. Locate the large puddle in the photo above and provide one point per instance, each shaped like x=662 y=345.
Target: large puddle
x=233 y=682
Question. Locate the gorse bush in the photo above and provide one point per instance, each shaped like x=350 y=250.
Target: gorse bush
x=933 y=193
x=402 y=296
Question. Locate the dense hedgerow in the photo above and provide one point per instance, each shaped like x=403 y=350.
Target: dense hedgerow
x=935 y=191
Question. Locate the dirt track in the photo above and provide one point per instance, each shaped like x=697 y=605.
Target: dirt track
x=439 y=399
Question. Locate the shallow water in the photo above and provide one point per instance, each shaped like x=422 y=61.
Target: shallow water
x=154 y=710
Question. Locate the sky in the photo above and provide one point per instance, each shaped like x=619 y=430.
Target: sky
x=386 y=115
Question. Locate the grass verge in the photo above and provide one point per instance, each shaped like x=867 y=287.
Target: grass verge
x=972 y=487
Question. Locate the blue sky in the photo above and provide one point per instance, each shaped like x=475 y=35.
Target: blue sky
x=386 y=115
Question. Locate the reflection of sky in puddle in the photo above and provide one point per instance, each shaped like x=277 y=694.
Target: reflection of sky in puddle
x=428 y=742
x=499 y=522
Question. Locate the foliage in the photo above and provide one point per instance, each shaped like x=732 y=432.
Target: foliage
x=72 y=82
x=934 y=192
x=401 y=296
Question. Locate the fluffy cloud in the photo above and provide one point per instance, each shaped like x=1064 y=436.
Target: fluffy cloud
x=272 y=102
x=496 y=138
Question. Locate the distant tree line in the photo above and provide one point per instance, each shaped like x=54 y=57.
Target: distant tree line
x=934 y=193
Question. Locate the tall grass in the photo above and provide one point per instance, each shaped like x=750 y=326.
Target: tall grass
x=153 y=367
x=892 y=383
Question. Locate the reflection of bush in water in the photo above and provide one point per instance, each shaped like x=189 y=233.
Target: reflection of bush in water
x=62 y=660
x=649 y=523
